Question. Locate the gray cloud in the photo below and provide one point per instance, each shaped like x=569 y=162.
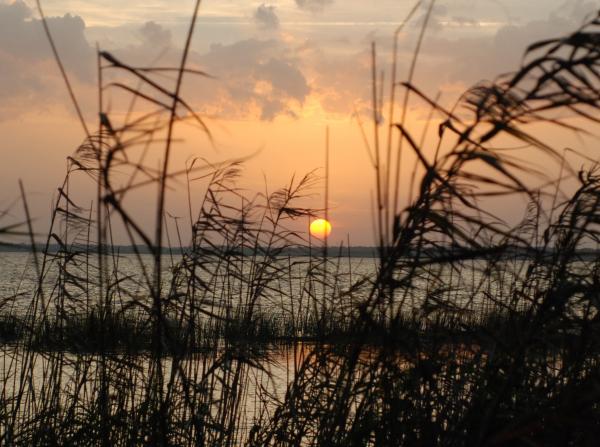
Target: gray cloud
x=154 y=46
x=155 y=35
x=29 y=79
x=504 y=51
x=265 y=77
x=341 y=79
x=252 y=73
x=313 y=5
x=464 y=21
x=254 y=76
x=22 y=36
x=341 y=82
x=266 y=17
x=438 y=15
x=453 y=64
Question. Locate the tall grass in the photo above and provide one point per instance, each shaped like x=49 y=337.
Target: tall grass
x=469 y=332
x=516 y=359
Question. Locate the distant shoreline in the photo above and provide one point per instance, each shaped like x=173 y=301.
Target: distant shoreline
x=333 y=251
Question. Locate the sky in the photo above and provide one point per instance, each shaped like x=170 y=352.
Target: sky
x=283 y=71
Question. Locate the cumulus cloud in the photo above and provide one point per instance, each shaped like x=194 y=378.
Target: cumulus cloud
x=255 y=77
x=340 y=82
x=313 y=5
x=153 y=46
x=21 y=36
x=449 y=61
x=266 y=17
x=155 y=35
x=253 y=74
x=265 y=77
x=29 y=79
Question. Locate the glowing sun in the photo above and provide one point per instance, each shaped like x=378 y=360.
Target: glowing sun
x=320 y=228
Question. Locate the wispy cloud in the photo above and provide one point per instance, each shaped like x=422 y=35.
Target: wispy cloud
x=313 y=5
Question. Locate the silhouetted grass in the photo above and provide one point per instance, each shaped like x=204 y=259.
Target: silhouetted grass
x=469 y=332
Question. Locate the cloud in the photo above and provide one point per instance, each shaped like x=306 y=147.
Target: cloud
x=153 y=46
x=504 y=51
x=29 y=79
x=155 y=35
x=266 y=78
x=266 y=17
x=22 y=36
x=259 y=78
x=437 y=16
x=455 y=63
x=464 y=21
x=340 y=81
x=255 y=75
x=449 y=61
x=313 y=5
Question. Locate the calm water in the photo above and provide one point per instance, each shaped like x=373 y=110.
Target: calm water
x=18 y=278
x=259 y=385
x=280 y=286
x=62 y=372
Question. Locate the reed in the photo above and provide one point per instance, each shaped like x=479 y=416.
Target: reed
x=469 y=332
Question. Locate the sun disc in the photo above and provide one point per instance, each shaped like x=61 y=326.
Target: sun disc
x=320 y=228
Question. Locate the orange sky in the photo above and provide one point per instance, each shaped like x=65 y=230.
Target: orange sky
x=284 y=70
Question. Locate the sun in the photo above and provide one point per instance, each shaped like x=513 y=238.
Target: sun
x=320 y=228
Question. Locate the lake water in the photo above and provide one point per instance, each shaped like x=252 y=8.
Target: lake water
x=279 y=280
x=261 y=377
x=253 y=379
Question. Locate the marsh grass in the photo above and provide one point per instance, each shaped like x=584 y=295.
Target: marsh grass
x=470 y=332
